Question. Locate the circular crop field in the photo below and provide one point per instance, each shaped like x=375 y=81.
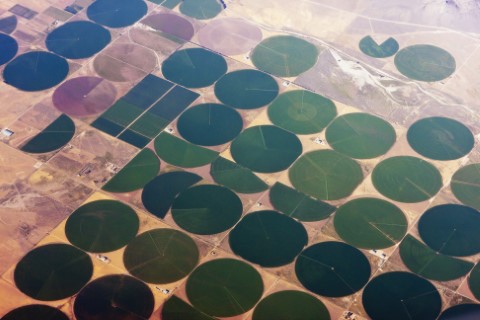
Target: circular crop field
x=360 y=135
x=117 y=14
x=224 y=287
x=266 y=148
x=466 y=311
x=302 y=112
x=9 y=48
x=35 y=311
x=465 y=185
x=440 y=138
x=474 y=281
x=200 y=9
x=370 y=223
x=326 y=175
x=407 y=179
x=261 y=238
x=102 y=226
x=384 y=50
x=401 y=295
x=332 y=269
x=171 y=24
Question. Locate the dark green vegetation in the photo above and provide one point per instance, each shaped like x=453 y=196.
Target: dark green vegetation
x=291 y=305
x=161 y=256
x=9 y=48
x=35 y=311
x=116 y=14
x=371 y=48
x=102 y=226
x=246 y=89
x=302 y=112
x=236 y=177
x=400 y=296
x=465 y=185
x=298 y=205
x=268 y=238
x=440 y=138
x=406 y=179
x=266 y=148
x=451 y=229
x=474 y=281
x=467 y=311
x=118 y=297
x=147 y=91
x=425 y=62
x=284 y=56
x=224 y=287
x=207 y=209
x=431 y=264
x=200 y=9
x=35 y=71
x=53 y=272
x=360 y=135
x=54 y=136
x=326 y=175
x=177 y=309
x=210 y=124
x=194 y=68
x=332 y=269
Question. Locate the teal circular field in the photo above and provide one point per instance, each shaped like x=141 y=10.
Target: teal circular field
x=102 y=226
x=35 y=311
x=440 y=138
x=466 y=311
x=291 y=305
x=9 y=48
x=161 y=256
x=261 y=238
x=116 y=14
x=332 y=269
x=425 y=62
x=406 y=179
x=474 y=281
x=53 y=272
x=194 y=68
x=266 y=148
x=401 y=296
x=246 y=89
x=207 y=209
x=465 y=185
x=451 y=229
x=302 y=112
x=384 y=50
x=224 y=287
x=370 y=223
x=360 y=135
x=284 y=56
x=200 y=9
x=326 y=175
x=210 y=124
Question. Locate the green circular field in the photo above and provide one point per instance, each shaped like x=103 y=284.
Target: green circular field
x=266 y=149
x=102 y=226
x=425 y=62
x=465 y=185
x=451 y=229
x=332 y=269
x=291 y=305
x=53 y=272
x=302 y=112
x=207 y=209
x=246 y=89
x=474 y=281
x=200 y=9
x=35 y=311
x=261 y=238
x=360 y=135
x=284 y=56
x=326 y=175
x=440 y=138
x=466 y=311
x=224 y=287
x=370 y=223
x=406 y=179
x=401 y=296
x=384 y=50
x=161 y=256
x=210 y=124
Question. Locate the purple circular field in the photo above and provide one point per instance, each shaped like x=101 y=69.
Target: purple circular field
x=171 y=24
x=84 y=96
x=231 y=36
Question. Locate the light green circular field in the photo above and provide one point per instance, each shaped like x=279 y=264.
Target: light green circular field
x=465 y=185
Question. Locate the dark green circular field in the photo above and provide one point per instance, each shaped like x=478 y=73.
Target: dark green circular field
x=200 y=9
x=401 y=296
x=360 y=135
x=224 y=287
x=370 y=223
x=466 y=311
x=53 y=272
x=384 y=50
x=266 y=149
x=116 y=14
x=332 y=269
x=302 y=112
x=268 y=238
x=161 y=256
x=326 y=175
x=9 y=48
x=440 y=138
x=474 y=281
x=35 y=311
x=465 y=185
x=406 y=179
x=207 y=209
